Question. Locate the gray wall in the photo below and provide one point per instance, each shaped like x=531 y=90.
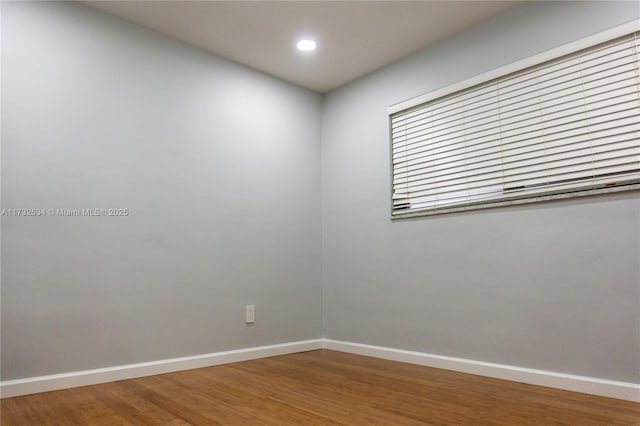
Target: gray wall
x=553 y=286
x=218 y=164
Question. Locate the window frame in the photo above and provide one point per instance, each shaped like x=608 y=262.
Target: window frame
x=566 y=49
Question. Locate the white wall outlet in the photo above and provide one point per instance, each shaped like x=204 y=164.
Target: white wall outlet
x=250 y=314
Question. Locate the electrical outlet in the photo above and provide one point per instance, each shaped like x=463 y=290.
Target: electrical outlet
x=250 y=314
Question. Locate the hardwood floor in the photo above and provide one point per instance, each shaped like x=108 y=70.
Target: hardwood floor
x=316 y=388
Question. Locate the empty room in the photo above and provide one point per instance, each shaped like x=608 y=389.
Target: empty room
x=320 y=213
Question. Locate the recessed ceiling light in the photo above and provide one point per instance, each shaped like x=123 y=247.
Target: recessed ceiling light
x=306 y=45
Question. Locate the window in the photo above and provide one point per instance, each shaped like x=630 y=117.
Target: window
x=565 y=127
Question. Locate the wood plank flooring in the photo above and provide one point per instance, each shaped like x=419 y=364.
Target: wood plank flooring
x=316 y=388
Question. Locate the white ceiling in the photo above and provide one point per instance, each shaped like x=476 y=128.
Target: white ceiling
x=354 y=37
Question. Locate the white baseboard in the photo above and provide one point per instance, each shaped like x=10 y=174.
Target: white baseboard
x=590 y=385
x=31 y=385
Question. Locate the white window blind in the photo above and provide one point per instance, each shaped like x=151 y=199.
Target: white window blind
x=568 y=125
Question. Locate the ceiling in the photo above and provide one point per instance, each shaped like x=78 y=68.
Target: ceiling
x=354 y=37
